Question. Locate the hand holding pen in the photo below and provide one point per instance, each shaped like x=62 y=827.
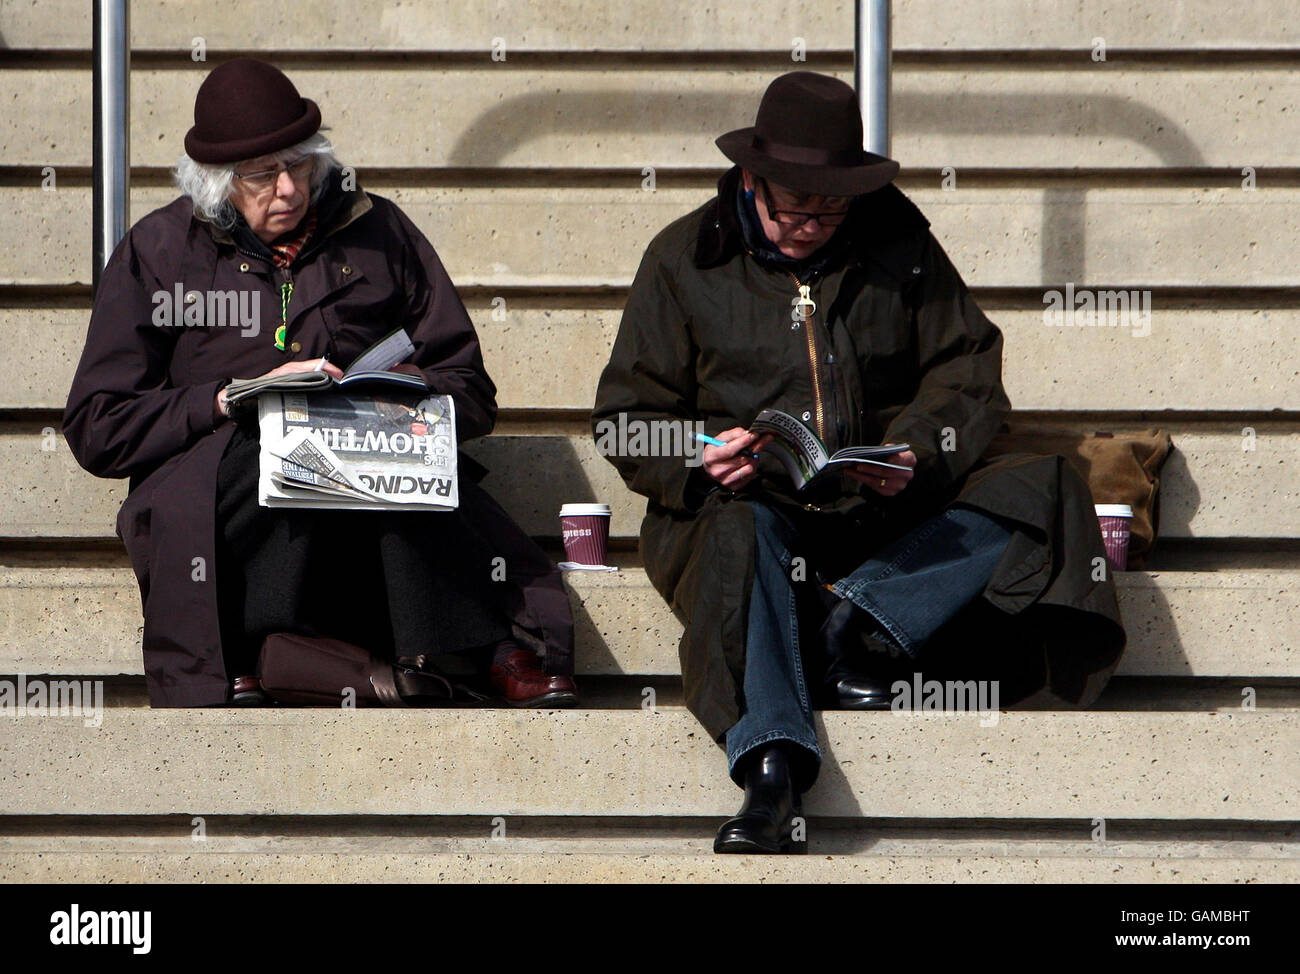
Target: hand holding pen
x=732 y=456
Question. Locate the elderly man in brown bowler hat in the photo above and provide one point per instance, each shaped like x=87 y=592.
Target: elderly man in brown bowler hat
x=267 y=211
x=812 y=285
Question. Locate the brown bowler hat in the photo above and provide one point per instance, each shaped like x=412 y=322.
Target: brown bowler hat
x=247 y=108
x=808 y=137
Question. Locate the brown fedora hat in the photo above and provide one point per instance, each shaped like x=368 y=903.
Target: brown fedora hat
x=808 y=137
x=247 y=108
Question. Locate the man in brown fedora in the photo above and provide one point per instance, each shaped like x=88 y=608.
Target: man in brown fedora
x=812 y=285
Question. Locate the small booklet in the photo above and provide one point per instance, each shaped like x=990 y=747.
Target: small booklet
x=372 y=365
x=804 y=455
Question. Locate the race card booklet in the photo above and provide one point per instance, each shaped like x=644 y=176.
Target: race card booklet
x=371 y=366
x=804 y=455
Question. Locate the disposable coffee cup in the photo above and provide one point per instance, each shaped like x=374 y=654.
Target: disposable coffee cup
x=1116 y=520
x=585 y=529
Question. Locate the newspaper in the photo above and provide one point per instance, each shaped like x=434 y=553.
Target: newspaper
x=389 y=450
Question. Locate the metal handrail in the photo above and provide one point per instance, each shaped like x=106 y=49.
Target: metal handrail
x=873 y=53
x=112 y=129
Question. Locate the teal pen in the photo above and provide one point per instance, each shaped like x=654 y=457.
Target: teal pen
x=705 y=438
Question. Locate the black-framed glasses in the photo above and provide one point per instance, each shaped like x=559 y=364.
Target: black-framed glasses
x=796 y=218
x=264 y=179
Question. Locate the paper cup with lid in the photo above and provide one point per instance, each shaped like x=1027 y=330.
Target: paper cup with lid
x=585 y=530
x=1116 y=521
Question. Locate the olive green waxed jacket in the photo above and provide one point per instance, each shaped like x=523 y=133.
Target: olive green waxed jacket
x=896 y=351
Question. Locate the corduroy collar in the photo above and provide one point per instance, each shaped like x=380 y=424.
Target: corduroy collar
x=876 y=220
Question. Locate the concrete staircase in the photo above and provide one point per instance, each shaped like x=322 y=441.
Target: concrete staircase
x=529 y=176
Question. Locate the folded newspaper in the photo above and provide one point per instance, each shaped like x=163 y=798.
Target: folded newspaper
x=388 y=451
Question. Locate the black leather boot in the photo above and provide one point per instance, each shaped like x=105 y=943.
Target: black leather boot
x=861 y=667
x=767 y=818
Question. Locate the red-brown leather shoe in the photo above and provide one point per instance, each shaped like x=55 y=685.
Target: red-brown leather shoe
x=520 y=680
x=246 y=691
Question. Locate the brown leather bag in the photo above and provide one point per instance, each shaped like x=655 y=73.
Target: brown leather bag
x=316 y=671
x=1120 y=468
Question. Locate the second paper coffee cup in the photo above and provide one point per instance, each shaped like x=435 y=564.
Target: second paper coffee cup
x=1115 y=520
x=585 y=530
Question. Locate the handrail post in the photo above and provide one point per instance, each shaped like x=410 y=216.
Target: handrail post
x=871 y=69
x=111 y=206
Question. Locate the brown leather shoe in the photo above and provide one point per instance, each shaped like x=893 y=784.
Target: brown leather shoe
x=521 y=681
x=246 y=691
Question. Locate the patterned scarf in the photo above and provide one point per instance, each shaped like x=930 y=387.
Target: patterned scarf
x=284 y=253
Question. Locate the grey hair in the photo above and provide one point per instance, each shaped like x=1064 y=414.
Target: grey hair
x=209 y=186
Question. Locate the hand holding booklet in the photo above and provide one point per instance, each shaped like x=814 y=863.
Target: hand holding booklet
x=372 y=366
x=804 y=455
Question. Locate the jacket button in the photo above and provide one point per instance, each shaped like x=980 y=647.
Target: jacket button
x=806 y=415
x=296 y=347
x=244 y=267
x=191 y=297
x=916 y=270
x=794 y=326
x=347 y=269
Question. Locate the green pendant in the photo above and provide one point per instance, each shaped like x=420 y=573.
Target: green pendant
x=286 y=292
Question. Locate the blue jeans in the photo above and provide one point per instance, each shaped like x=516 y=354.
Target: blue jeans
x=910 y=587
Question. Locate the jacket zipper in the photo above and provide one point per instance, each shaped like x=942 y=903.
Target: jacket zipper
x=806 y=322
x=803 y=302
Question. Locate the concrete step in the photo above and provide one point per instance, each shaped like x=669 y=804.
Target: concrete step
x=674 y=856
x=639 y=25
x=551 y=357
x=1233 y=623
x=576 y=236
x=1217 y=483
x=988 y=115
x=1028 y=765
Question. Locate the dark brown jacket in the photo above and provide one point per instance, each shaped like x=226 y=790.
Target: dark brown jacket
x=141 y=404
x=897 y=352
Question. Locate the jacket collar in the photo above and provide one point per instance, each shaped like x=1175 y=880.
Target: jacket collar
x=336 y=208
x=884 y=226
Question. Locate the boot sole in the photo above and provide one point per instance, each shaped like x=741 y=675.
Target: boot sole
x=736 y=845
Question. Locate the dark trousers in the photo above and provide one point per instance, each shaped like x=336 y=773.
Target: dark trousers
x=400 y=583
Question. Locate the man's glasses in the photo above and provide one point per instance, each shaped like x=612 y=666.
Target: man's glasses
x=795 y=218
x=264 y=179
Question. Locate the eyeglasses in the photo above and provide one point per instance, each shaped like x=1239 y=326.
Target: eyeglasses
x=795 y=218
x=264 y=179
